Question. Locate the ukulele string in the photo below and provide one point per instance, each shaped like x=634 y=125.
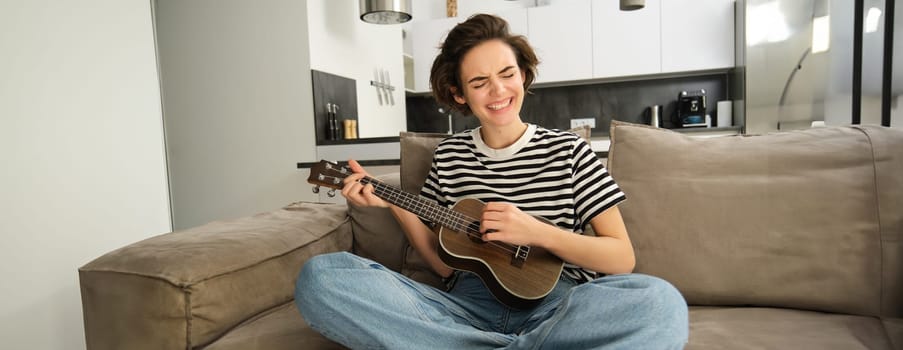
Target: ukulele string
x=469 y=225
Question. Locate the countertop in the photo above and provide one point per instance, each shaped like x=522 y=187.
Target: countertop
x=379 y=151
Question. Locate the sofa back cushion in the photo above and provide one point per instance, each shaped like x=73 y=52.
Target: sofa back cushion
x=377 y=235
x=786 y=219
x=416 y=158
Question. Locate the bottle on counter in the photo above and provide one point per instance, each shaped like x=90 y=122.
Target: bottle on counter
x=655 y=116
x=330 y=123
x=334 y=123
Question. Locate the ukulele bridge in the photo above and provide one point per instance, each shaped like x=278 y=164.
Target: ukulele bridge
x=520 y=256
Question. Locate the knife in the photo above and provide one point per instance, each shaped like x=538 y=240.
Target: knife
x=390 y=90
x=382 y=85
x=378 y=85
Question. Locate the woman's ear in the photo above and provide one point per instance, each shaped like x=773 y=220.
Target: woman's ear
x=458 y=98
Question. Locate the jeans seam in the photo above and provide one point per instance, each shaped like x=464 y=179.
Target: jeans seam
x=560 y=311
x=399 y=285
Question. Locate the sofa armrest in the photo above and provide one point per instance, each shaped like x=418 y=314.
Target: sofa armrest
x=185 y=289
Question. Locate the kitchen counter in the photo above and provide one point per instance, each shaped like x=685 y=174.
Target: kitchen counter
x=382 y=151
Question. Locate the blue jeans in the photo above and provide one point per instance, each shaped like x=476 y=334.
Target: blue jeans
x=364 y=305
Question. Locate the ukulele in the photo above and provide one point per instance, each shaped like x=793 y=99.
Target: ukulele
x=518 y=276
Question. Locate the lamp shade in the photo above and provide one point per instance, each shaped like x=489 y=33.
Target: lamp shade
x=630 y=5
x=385 y=11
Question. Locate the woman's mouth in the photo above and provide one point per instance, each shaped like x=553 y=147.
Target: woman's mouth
x=499 y=105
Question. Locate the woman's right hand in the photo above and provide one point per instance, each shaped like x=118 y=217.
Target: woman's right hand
x=357 y=193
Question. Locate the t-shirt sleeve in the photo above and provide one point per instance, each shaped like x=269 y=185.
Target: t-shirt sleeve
x=594 y=189
x=430 y=189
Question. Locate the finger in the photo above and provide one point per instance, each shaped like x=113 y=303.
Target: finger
x=353 y=178
x=499 y=206
x=349 y=195
x=352 y=191
x=492 y=216
x=492 y=206
x=368 y=195
x=493 y=235
x=356 y=167
x=489 y=226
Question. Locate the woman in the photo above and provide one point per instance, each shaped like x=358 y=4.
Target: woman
x=521 y=171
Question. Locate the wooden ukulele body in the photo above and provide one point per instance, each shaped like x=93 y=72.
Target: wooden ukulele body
x=517 y=279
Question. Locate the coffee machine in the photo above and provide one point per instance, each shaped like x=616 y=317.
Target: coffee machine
x=691 y=109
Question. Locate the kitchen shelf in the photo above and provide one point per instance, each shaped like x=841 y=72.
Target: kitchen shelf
x=358 y=141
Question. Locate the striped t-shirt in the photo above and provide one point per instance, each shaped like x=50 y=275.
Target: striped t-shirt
x=549 y=173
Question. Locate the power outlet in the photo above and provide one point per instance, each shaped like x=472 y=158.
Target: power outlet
x=578 y=122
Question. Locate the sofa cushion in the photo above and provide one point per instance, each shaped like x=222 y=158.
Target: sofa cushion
x=280 y=328
x=377 y=235
x=185 y=289
x=785 y=219
x=887 y=151
x=894 y=329
x=417 y=158
x=767 y=328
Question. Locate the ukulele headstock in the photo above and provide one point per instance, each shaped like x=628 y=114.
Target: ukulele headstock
x=328 y=174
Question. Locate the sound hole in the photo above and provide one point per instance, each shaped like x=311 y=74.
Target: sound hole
x=476 y=236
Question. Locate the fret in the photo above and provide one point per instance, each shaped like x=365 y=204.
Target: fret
x=421 y=207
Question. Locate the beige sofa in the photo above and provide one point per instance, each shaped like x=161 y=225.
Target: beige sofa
x=782 y=241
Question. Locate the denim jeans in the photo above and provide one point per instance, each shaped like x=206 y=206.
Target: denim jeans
x=363 y=305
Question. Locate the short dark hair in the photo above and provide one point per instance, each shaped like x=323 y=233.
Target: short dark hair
x=446 y=71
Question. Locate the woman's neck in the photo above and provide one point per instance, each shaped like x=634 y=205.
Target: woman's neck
x=498 y=137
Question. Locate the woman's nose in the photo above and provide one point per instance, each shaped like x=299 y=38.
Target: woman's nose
x=496 y=86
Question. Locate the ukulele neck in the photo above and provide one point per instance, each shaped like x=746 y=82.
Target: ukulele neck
x=420 y=206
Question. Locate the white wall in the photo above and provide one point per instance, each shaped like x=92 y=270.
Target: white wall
x=237 y=104
x=81 y=145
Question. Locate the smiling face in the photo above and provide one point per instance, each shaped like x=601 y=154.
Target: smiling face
x=493 y=85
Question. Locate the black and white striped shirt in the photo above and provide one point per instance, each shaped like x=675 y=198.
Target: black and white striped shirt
x=549 y=173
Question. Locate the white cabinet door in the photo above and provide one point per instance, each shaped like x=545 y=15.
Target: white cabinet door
x=626 y=42
x=697 y=35
x=517 y=21
x=561 y=34
x=426 y=37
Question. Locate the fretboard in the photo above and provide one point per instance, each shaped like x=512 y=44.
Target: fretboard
x=420 y=206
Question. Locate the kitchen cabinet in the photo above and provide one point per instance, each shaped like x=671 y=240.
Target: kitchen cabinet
x=626 y=42
x=697 y=35
x=561 y=34
x=517 y=21
x=426 y=36
x=593 y=39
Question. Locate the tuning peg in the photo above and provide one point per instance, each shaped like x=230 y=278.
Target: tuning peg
x=331 y=193
x=315 y=189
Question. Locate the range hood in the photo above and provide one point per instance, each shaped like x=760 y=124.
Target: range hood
x=385 y=11
x=630 y=5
